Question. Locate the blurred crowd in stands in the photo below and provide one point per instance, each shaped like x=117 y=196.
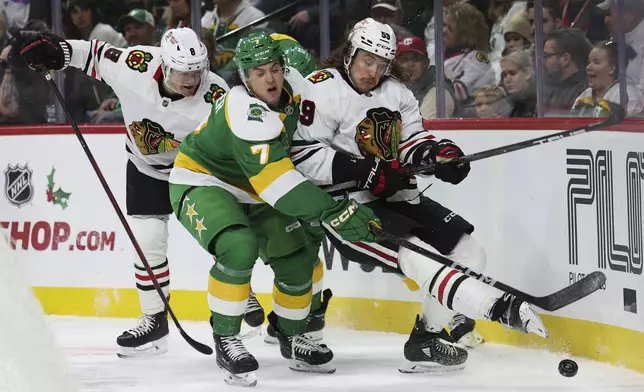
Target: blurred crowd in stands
x=591 y=51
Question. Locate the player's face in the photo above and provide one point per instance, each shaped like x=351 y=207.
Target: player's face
x=366 y=70
x=185 y=83
x=600 y=70
x=266 y=82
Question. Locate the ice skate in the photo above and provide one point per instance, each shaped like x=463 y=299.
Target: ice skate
x=462 y=330
x=315 y=322
x=515 y=314
x=302 y=353
x=253 y=317
x=148 y=338
x=237 y=363
x=432 y=352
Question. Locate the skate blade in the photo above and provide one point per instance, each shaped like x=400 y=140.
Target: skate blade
x=270 y=339
x=532 y=321
x=240 y=380
x=300 y=366
x=471 y=340
x=248 y=332
x=149 y=349
x=429 y=367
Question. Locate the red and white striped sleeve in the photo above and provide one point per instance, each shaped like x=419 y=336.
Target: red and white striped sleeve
x=99 y=59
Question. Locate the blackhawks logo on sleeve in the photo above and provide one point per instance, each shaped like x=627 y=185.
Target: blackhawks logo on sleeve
x=379 y=133
x=138 y=60
x=150 y=137
x=320 y=76
x=214 y=93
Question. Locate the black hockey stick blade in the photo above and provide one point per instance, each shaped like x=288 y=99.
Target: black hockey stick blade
x=557 y=300
x=617 y=116
x=202 y=348
x=573 y=293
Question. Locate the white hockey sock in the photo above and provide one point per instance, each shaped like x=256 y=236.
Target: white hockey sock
x=151 y=233
x=450 y=289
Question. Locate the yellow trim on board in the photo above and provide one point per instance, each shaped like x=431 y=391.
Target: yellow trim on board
x=602 y=342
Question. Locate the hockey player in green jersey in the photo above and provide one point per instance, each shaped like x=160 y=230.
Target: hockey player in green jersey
x=296 y=55
x=235 y=189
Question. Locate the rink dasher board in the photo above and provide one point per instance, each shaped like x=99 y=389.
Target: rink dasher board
x=545 y=215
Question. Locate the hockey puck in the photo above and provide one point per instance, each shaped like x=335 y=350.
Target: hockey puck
x=568 y=368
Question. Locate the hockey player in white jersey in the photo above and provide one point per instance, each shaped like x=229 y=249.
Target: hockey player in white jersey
x=359 y=126
x=165 y=93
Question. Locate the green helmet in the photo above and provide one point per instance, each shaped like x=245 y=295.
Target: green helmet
x=300 y=59
x=256 y=49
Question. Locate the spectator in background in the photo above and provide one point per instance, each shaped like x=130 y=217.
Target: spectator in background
x=565 y=57
x=390 y=12
x=228 y=15
x=411 y=54
x=632 y=23
x=501 y=12
x=518 y=34
x=517 y=77
x=4 y=29
x=139 y=28
x=466 y=40
x=17 y=12
x=86 y=23
x=24 y=93
x=603 y=82
x=177 y=14
x=551 y=14
x=430 y=32
x=490 y=101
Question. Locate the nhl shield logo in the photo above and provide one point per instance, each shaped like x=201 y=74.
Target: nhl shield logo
x=18 y=187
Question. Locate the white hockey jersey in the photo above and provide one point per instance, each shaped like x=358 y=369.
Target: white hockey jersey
x=338 y=119
x=472 y=69
x=155 y=124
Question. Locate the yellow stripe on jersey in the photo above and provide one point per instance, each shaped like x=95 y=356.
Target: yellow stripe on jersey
x=226 y=111
x=279 y=37
x=275 y=180
x=185 y=162
x=228 y=292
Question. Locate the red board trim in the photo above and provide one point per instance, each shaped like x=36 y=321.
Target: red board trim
x=480 y=124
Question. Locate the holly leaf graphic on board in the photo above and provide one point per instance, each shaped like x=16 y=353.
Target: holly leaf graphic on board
x=58 y=196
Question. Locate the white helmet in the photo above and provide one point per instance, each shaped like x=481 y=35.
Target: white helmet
x=373 y=37
x=183 y=51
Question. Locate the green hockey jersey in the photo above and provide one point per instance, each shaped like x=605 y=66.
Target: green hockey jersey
x=244 y=147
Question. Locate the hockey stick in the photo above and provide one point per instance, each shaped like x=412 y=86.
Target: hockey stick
x=557 y=300
x=202 y=348
x=617 y=116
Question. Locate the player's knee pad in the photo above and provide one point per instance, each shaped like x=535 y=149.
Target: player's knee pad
x=318 y=276
x=236 y=248
x=417 y=267
x=151 y=232
x=469 y=253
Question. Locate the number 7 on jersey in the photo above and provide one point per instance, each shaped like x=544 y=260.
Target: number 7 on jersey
x=262 y=150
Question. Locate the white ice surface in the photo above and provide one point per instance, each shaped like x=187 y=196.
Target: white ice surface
x=365 y=361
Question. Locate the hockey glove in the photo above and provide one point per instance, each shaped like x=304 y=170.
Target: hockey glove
x=45 y=51
x=440 y=154
x=351 y=221
x=382 y=178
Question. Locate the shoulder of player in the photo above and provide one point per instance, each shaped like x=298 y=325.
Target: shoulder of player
x=249 y=118
x=323 y=79
x=393 y=87
x=141 y=59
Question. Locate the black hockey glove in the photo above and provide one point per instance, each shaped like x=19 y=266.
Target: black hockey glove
x=45 y=51
x=382 y=178
x=440 y=153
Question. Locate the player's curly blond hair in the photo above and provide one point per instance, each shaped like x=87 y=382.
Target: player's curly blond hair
x=469 y=25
